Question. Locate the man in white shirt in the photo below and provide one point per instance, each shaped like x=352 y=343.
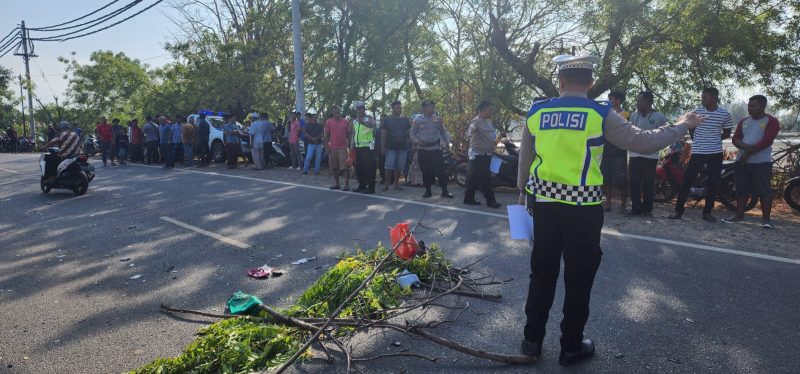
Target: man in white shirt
x=642 y=167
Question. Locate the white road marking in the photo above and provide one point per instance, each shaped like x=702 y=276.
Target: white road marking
x=503 y=216
x=198 y=230
x=10 y=171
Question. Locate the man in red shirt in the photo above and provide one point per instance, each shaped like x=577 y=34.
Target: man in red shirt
x=338 y=139
x=105 y=135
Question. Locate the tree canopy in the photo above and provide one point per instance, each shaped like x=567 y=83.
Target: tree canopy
x=236 y=55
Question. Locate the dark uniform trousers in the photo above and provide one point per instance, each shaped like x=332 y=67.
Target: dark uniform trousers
x=365 y=167
x=574 y=232
x=713 y=163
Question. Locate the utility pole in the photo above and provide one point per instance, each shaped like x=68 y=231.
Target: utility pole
x=299 y=97
x=26 y=56
x=22 y=104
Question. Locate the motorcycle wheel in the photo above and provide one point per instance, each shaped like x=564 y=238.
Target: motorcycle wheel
x=730 y=202
x=45 y=188
x=791 y=194
x=665 y=190
x=82 y=186
x=461 y=174
x=218 y=152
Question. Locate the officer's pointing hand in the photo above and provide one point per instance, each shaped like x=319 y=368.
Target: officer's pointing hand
x=691 y=119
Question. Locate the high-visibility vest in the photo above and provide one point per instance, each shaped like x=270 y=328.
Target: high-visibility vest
x=362 y=135
x=568 y=143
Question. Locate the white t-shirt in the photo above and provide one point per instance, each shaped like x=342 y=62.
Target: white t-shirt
x=650 y=121
x=708 y=136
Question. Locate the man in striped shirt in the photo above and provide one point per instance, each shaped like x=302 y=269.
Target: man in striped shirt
x=69 y=146
x=706 y=150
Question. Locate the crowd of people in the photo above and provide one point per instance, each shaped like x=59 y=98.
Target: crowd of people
x=627 y=172
x=398 y=147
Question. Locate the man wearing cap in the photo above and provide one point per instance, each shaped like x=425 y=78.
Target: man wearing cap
x=364 y=140
x=560 y=172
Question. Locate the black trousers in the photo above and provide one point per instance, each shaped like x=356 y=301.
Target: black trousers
x=365 y=167
x=574 y=232
x=51 y=165
x=713 y=163
x=267 y=153
x=136 y=152
x=479 y=176
x=642 y=175
x=431 y=164
x=151 y=152
x=203 y=152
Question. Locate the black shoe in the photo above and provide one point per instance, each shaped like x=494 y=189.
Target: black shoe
x=369 y=190
x=448 y=195
x=708 y=217
x=568 y=358
x=360 y=189
x=675 y=215
x=493 y=205
x=532 y=349
x=472 y=202
x=427 y=194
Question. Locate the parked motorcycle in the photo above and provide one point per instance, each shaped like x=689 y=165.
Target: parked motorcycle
x=507 y=172
x=91 y=146
x=670 y=174
x=791 y=193
x=73 y=173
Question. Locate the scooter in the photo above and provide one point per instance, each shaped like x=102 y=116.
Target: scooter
x=73 y=173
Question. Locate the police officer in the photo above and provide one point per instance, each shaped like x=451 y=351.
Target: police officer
x=560 y=172
x=364 y=140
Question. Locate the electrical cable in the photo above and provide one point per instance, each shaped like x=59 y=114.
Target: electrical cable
x=9 y=34
x=94 y=23
x=106 y=27
x=3 y=54
x=52 y=28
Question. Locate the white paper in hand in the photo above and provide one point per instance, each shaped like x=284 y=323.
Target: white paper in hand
x=520 y=223
x=494 y=165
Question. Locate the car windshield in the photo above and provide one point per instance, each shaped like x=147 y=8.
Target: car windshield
x=216 y=122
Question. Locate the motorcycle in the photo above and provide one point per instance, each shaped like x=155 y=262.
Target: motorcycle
x=791 y=193
x=73 y=173
x=506 y=175
x=670 y=175
x=91 y=146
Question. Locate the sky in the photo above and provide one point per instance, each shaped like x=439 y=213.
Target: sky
x=142 y=37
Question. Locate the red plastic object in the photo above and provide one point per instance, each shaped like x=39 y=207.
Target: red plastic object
x=409 y=247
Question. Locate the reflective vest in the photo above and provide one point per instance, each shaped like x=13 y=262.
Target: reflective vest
x=362 y=135
x=568 y=143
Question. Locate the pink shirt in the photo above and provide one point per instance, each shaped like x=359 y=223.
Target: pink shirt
x=337 y=128
x=294 y=131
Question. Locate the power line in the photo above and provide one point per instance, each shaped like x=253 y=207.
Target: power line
x=10 y=46
x=53 y=27
x=9 y=34
x=107 y=27
x=92 y=23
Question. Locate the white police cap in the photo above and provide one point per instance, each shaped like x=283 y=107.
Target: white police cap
x=565 y=62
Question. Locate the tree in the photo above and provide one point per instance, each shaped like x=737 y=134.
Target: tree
x=107 y=87
x=9 y=114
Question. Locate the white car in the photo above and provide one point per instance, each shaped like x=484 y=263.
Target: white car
x=215 y=136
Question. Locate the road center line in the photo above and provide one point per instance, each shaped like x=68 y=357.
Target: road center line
x=10 y=171
x=198 y=230
x=610 y=232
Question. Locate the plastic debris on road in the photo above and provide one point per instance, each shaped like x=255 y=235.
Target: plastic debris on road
x=137 y=276
x=303 y=260
x=242 y=303
x=263 y=272
x=407 y=279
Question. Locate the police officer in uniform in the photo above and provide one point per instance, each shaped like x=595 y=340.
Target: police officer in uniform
x=559 y=171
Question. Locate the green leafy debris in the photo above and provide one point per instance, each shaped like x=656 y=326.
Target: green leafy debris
x=241 y=345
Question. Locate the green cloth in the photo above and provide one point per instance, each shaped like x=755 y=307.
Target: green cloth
x=242 y=303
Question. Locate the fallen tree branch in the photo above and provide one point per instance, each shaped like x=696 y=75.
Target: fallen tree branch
x=399 y=354
x=344 y=304
x=478 y=295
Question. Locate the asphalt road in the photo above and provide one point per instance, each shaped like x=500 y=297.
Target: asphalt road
x=68 y=304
